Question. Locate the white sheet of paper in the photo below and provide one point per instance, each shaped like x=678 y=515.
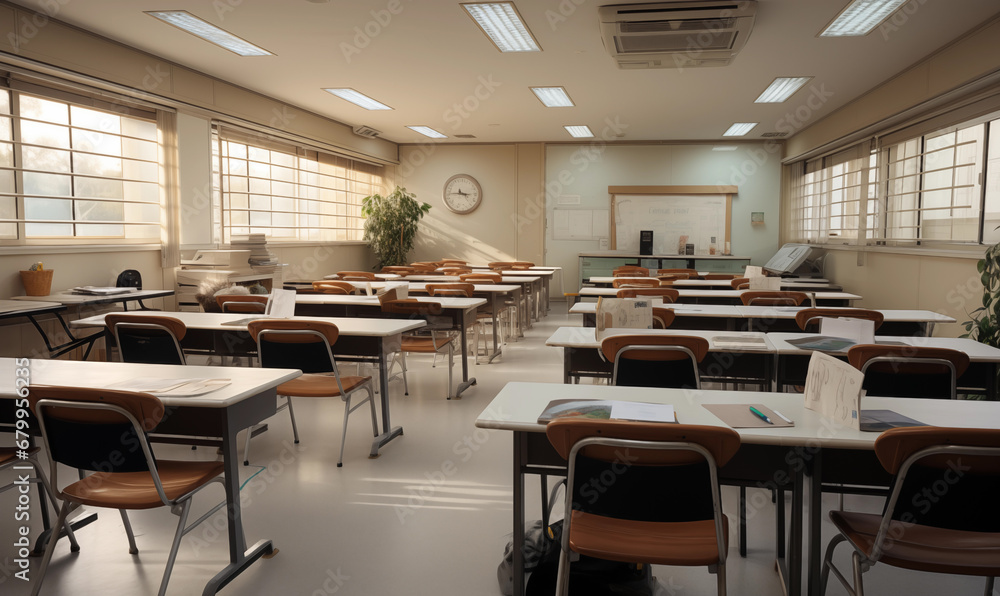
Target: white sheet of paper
x=626 y=410
x=623 y=313
x=752 y=271
x=281 y=304
x=860 y=331
x=759 y=282
x=833 y=388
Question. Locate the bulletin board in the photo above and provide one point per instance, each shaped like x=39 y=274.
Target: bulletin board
x=698 y=212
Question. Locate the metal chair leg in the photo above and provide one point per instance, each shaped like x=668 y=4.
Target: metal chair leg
x=246 y=447
x=720 y=573
x=291 y=414
x=371 y=403
x=50 y=548
x=989 y=586
x=562 y=577
x=132 y=548
x=859 y=586
x=451 y=367
x=181 y=524
x=343 y=435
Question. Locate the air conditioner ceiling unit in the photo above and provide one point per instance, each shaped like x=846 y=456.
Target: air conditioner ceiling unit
x=676 y=34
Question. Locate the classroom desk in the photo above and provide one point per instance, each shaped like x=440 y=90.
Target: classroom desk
x=249 y=399
x=791 y=361
x=720 y=317
x=768 y=457
x=29 y=309
x=727 y=296
x=582 y=357
x=535 y=285
x=896 y=322
x=806 y=285
x=461 y=311
x=381 y=276
x=360 y=340
x=68 y=298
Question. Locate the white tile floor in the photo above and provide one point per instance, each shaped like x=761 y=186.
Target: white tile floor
x=430 y=516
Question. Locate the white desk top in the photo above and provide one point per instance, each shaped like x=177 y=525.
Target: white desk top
x=11 y=306
x=70 y=299
x=382 y=276
x=977 y=352
x=586 y=337
x=734 y=294
x=355 y=326
x=518 y=406
x=892 y=316
x=446 y=302
x=680 y=309
x=248 y=381
x=718 y=283
x=506 y=279
x=420 y=285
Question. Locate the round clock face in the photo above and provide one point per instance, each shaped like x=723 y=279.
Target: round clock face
x=462 y=193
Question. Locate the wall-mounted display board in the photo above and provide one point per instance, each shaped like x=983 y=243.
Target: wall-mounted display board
x=677 y=215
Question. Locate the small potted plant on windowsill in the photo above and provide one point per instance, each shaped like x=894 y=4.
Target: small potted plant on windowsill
x=391 y=225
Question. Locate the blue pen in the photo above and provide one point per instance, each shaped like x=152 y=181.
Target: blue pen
x=760 y=415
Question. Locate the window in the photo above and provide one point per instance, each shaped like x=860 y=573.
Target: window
x=76 y=170
x=289 y=192
x=827 y=204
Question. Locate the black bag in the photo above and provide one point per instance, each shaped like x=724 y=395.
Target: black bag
x=540 y=543
x=593 y=577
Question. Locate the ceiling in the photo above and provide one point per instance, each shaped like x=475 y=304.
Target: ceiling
x=433 y=65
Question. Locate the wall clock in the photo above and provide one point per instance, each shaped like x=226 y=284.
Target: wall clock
x=462 y=193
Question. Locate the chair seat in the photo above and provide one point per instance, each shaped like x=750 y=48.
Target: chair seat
x=924 y=548
x=135 y=490
x=425 y=344
x=664 y=543
x=319 y=385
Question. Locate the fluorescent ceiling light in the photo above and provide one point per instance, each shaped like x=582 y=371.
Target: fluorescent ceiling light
x=427 y=131
x=580 y=132
x=724 y=148
x=358 y=99
x=781 y=89
x=860 y=17
x=739 y=129
x=182 y=19
x=553 y=97
x=501 y=23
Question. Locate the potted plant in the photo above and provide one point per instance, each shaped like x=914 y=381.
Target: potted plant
x=984 y=323
x=391 y=225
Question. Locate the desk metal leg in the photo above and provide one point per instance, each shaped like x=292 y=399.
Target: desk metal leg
x=495 y=303
x=518 y=566
x=463 y=326
x=388 y=432
x=790 y=567
x=815 y=524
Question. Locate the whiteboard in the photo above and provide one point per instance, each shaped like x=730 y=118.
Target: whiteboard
x=676 y=220
x=579 y=224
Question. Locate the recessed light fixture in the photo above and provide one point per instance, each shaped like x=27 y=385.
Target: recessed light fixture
x=501 y=23
x=427 y=131
x=358 y=99
x=725 y=148
x=579 y=131
x=739 y=129
x=860 y=17
x=553 y=97
x=186 y=21
x=781 y=89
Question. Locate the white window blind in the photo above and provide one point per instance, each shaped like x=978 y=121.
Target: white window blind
x=71 y=170
x=829 y=197
x=289 y=192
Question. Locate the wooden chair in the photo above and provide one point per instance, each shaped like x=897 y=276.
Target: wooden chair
x=331 y=286
x=453 y=262
x=459 y=290
x=655 y=360
x=253 y=304
x=400 y=270
x=500 y=266
x=720 y=276
x=635 y=282
x=483 y=277
x=957 y=532
x=356 y=276
x=148 y=339
x=662 y=317
x=454 y=271
x=521 y=265
x=106 y=432
x=434 y=338
x=772 y=298
x=909 y=371
x=424 y=267
x=668 y=280
x=307 y=345
x=630 y=271
x=809 y=317
x=690 y=273
x=641 y=517
x=668 y=294
x=740 y=283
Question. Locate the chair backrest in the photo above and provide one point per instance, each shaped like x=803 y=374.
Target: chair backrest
x=961 y=466
x=500 y=265
x=130 y=278
x=356 y=276
x=720 y=276
x=909 y=371
x=521 y=265
x=450 y=262
x=740 y=283
x=463 y=290
x=424 y=267
x=481 y=278
x=292 y=343
x=662 y=317
x=630 y=271
x=253 y=303
x=655 y=360
x=810 y=316
x=99 y=430
x=691 y=273
x=454 y=270
x=635 y=282
x=331 y=286
x=668 y=294
x=400 y=270
x=647 y=461
x=668 y=280
x=147 y=339
x=772 y=298
x=412 y=307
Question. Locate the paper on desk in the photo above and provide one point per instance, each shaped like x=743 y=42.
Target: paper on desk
x=281 y=305
x=833 y=388
x=753 y=272
x=170 y=387
x=623 y=313
x=759 y=282
x=739 y=342
x=643 y=412
x=860 y=331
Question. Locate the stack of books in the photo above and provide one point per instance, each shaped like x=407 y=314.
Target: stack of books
x=260 y=255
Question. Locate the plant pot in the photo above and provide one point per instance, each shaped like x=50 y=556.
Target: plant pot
x=37 y=283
